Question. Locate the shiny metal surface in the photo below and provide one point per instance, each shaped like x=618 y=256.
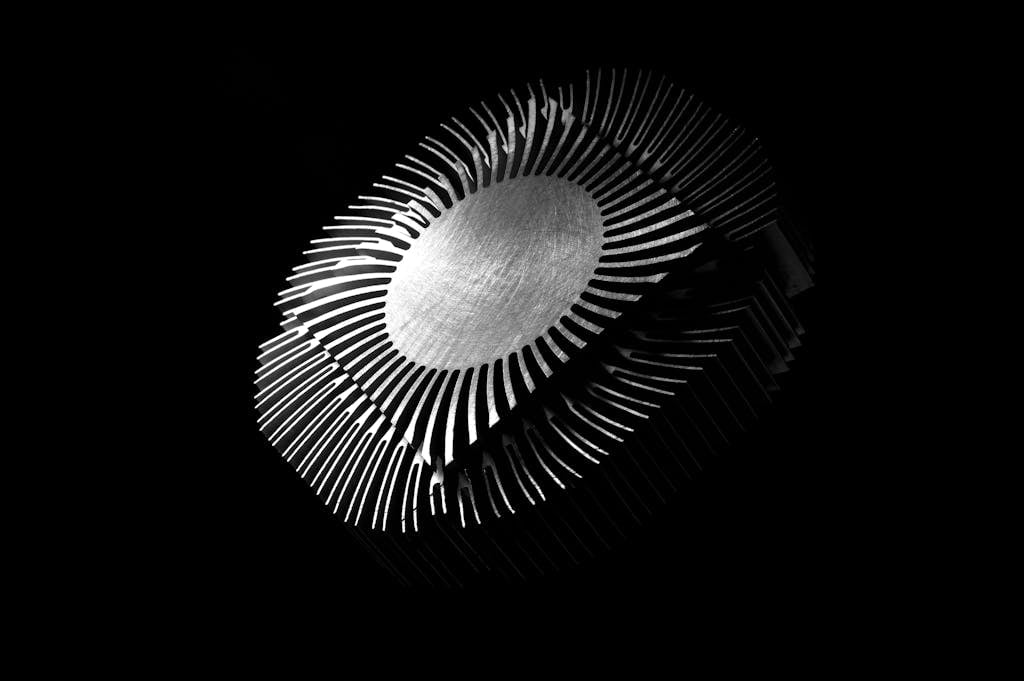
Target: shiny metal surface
x=492 y=273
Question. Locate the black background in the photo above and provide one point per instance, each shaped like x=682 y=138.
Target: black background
x=793 y=519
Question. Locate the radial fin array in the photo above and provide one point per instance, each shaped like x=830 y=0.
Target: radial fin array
x=669 y=349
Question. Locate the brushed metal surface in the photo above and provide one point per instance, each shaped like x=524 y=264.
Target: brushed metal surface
x=493 y=272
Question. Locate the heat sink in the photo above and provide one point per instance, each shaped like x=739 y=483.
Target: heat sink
x=532 y=332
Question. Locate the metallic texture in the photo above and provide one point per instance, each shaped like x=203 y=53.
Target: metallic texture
x=523 y=297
